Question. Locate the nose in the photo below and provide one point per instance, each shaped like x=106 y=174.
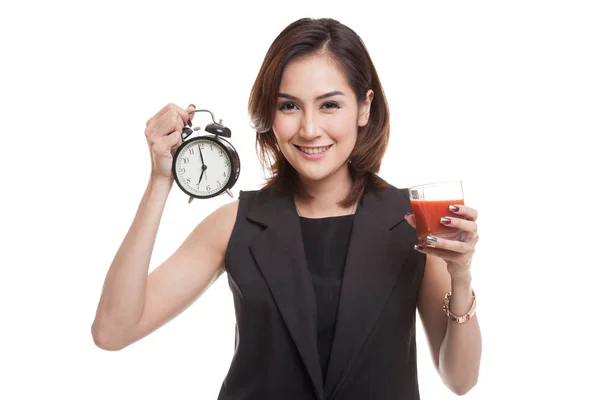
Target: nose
x=309 y=129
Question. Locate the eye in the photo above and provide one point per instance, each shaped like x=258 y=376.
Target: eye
x=286 y=106
x=331 y=105
x=289 y=106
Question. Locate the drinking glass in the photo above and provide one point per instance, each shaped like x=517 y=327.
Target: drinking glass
x=430 y=203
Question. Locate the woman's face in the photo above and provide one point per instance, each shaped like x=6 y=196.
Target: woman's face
x=317 y=118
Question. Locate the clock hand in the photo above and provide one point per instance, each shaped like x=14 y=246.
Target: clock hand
x=202 y=161
x=200 y=151
x=202 y=173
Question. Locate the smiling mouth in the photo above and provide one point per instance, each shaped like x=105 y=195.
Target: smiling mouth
x=313 y=150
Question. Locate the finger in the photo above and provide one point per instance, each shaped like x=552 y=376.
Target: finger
x=190 y=116
x=184 y=115
x=160 y=113
x=168 y=124
x=170 y=119
x=167 y=144
x=175 y=140
x=450 y=245
x=464 y=211
x=410 y=218
x=163 y=123
x=441 y=253
x=459 y=223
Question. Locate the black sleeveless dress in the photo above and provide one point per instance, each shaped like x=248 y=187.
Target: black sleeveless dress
x=325 y=245
x=285 y=272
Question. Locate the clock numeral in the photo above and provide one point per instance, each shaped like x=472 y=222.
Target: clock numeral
x=208 y=188
x=218 y=183
x=182 y=170
x=186 y=160
x=192 y=151
x=201 y=146
x=211 y=147
x=188 y=180
x=224 y=174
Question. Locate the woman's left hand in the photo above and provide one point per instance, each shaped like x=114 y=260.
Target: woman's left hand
x=456 y=253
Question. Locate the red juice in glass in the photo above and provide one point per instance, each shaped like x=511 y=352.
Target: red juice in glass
x=428 y=215
x=431 y=203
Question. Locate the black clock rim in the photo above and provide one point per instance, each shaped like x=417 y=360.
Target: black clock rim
x=228 y=150
x=234 y=159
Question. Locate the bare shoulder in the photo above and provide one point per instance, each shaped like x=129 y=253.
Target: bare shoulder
x=223 y=219
x=215 y=231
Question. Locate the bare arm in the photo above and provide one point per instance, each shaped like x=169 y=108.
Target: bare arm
x=455 y=348
x=133 y=303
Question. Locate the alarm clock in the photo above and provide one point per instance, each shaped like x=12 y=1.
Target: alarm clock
x=208 y=165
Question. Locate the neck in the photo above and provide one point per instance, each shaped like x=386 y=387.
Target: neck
x=326 y=194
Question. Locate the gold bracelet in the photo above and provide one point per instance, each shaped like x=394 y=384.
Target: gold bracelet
x=454 y=318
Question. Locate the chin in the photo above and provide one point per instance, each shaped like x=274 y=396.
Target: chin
x=317 y=174
x=316 y=170
x=313 y=177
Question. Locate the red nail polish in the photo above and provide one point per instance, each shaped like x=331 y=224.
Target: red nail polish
x=453 y=208
x=189 y=122
x=418 y=247
x=445 y=221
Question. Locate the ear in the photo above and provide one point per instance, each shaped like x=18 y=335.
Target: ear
x=364 y=109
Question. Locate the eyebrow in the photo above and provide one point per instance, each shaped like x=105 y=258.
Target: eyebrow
x=323 y=96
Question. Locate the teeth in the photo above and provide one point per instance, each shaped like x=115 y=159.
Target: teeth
x=314 y=150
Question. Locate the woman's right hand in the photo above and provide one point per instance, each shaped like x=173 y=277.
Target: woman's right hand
x=163 y=134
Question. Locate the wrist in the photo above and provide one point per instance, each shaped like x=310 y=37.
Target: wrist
x=462 y=295
x=456 y=312
x=160 y=180
x=461 y=282
x=160 y=183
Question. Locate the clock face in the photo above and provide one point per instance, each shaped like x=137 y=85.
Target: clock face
x=202 y=167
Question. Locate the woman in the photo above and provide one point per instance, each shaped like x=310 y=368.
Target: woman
x=323 y=262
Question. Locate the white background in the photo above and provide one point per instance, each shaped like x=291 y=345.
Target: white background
x=503 y=95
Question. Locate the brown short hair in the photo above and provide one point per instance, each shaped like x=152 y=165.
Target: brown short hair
x=305 y=37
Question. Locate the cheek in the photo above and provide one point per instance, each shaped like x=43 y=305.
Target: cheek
x=284 y=126
x=342 y=126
